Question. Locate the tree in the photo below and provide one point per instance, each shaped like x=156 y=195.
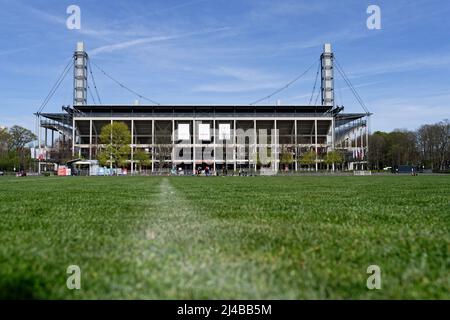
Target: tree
x=427 y=140
x=332 y=158
x=143 y=158
x=4 y=140
x=433 y=144
x=19 y=137
x=103 y=158
x=115 y=139
x=402 y=148
x=267 y=153
x=9 y=160
x=286 y=157
x=444 y=143
x=308 y=158
x=163 y=153
x=378 y=150
x=429 y=146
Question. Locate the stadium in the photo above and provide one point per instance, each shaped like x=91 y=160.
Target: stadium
x=262 y=175
x=220 y=137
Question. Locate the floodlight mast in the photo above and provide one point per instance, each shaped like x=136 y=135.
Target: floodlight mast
x=80 y=59
x=327 y=77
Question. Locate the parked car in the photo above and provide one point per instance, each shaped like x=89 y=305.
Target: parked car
x=2 y=173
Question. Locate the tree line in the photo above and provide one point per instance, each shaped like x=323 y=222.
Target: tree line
x=427 y=147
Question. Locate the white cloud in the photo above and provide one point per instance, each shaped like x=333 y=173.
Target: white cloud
x=128 y=44
x=411 y=113
x=146 y=40
x=16 y=50
x=244 y=74
x=239 y=79
x=41 y=14
x=404 y=65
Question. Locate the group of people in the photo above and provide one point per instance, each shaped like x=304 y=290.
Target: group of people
x=203 y=172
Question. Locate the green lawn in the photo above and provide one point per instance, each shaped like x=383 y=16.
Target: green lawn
x=215 y=237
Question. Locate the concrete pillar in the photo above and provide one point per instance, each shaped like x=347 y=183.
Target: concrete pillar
x=90 y=139
x=362 y=148
x=296 y=146
x=276 y=148
x=234 y=145
x=255 y=145
x=153 y=146
x=132 y=146
x=214 y=145
x=73 y=138
x=333 y=137
x=367 y=140
x=173 y=143
x=194 y=166
x=39 y=143
x=315 y=142
x=333 y=144
x=110 y=158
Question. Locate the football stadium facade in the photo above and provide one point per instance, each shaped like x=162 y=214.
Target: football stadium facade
x=231 y=137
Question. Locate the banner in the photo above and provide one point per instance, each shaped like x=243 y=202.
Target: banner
x=204 y=132
x=224 y=131
x=38 y=154
x=184 y=131
x=62 y=171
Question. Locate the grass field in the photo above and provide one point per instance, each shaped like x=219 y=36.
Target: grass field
x=235 y=237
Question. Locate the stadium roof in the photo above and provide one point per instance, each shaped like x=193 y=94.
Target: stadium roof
x=193 y=109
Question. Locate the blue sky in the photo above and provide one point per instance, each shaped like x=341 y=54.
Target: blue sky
x=230 y=51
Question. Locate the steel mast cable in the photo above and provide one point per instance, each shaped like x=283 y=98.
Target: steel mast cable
x=92 y=96
x=355 y=93
x=338 y=85
x=124 y=86
x=317 y=97
x=352 y=88
x=315 y=85
x=284 y=87
x=93 y=81
x=55 y=86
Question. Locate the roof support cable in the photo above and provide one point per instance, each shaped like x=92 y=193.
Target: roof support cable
x=317 y=98
x=124 y=86
x=56 y=86
x=285 y=86
x=315 y=85
x=93 y=82
x=92 y=96
x=352 y=88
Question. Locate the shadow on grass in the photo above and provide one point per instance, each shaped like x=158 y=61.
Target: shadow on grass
x=23 y=287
